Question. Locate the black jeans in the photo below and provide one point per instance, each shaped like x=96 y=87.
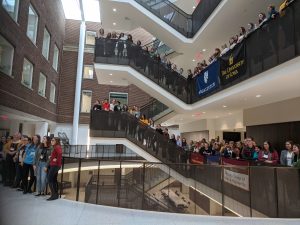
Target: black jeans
x=27 y=168
x=10 y=170
x=52 y=180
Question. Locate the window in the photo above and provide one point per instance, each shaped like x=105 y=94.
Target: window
x=6 y=56
x=32 y=25
x=46 y=44
x=119 y=96
x=55 y=58
x=52 y=92
x=86 y=101
x=88 y=72
x=90 y=38
x=27 y=73
x=42 y=85
x=12 y=7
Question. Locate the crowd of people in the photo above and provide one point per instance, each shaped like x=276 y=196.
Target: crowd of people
x=244 y=150
x=115 y=106
x=36 y=158
x=122 y=45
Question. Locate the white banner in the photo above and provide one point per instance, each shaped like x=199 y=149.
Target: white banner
x=237 y=179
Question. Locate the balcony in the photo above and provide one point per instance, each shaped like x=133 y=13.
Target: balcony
x=271 y=45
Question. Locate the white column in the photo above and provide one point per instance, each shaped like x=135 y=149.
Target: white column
x=41 y=128
x=78 y=83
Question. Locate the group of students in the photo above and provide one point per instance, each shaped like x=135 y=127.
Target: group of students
x=38 y=159
x=115 y=106
x=272 y=13
x=249 y=150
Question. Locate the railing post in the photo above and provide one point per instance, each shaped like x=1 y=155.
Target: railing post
x=78 y=180
x=222 y=189
x=62 y=176
x=97 y=192
x=250 y=194
x=119 y=184
x=143 y=179
x=276 y=192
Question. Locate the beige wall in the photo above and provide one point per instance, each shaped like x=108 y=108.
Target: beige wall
x=279 y=112
x=195 y=136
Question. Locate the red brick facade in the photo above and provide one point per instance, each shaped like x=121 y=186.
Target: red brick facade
x=13 y=93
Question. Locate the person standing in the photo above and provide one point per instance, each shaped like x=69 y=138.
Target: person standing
x=40 y=163
x=28 y=164
x=55 y=164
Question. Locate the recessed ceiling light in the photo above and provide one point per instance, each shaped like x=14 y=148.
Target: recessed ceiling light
x=204 y=50
x=194 y=7
x=224 y=106
x=114 y=9
x=194 y=60
x=181 y=119
x=203 y=112
x=229 y=113
x=217 y=116
x=110 y=74
x=114 y=24
x=193 y=115
x=258 y=96
x=110 y=81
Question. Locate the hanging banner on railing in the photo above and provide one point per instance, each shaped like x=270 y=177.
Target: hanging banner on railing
x=208 y=79
x=233 y=64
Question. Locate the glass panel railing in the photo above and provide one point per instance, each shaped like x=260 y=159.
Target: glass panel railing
x=186 y=24
x=153 y=108
x=273 y=43
x=234 y=190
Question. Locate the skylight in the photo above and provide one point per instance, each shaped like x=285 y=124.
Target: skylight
x=91 y=9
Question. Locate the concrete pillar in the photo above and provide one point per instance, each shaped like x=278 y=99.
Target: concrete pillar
x=41 y=128
x=78 y=83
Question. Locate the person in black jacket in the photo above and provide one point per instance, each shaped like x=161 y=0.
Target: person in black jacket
x=97 y=105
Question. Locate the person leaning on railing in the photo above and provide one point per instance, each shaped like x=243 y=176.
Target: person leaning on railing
x=268 y=155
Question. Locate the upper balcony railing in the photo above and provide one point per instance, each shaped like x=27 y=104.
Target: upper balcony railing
x=186 y=24
x=273 y=43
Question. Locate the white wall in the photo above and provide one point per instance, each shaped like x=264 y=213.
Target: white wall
x=195 y=136
x=279 y=112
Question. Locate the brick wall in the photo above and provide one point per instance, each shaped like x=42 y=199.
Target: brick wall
x=68 y=78
x=13 y=93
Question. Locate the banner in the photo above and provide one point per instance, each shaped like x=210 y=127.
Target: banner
x=233 y=64
x=208 y=79
x=237 y=179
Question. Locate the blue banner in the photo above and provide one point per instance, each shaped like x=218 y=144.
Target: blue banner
x=208 y=79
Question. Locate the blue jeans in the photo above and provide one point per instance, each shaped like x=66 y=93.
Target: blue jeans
x=41 y=176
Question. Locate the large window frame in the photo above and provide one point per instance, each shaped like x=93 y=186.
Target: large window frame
x=35 y=24
x=27 y=67
x=12 y=10
x=46 y=44
x=55 y=62
x=42 y=86
x=88 y=72
x=90 y=37
x=7 y=52
x=52 y=96
x=85 y=107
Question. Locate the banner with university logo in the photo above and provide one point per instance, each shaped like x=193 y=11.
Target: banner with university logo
x=233 y=64
x=208 y=79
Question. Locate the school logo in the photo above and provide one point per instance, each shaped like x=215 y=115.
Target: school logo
x=206 y=77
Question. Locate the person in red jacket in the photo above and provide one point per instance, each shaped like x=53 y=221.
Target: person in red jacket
x=55 y=164
x=105 y=105
x=268 y=155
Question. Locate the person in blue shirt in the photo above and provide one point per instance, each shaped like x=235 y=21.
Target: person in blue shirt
x=28 y=163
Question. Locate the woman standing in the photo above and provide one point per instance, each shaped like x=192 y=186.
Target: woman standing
x=28 y=163
x=40 y=163
x=55 y=164
x=287 y=155
x=268 y=155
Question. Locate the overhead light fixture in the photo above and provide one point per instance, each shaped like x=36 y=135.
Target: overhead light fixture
x=204 y=50
x=194 y=60
x=224 y=106
x=203 y=112
x=110 y=74
x=258 y=96
x=114 y=24
x=229 y=113
x=111 y=81
x=194 y=7
x=114 y=9
x=193 y=115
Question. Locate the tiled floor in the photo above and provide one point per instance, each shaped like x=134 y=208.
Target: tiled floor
x=19 y=209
